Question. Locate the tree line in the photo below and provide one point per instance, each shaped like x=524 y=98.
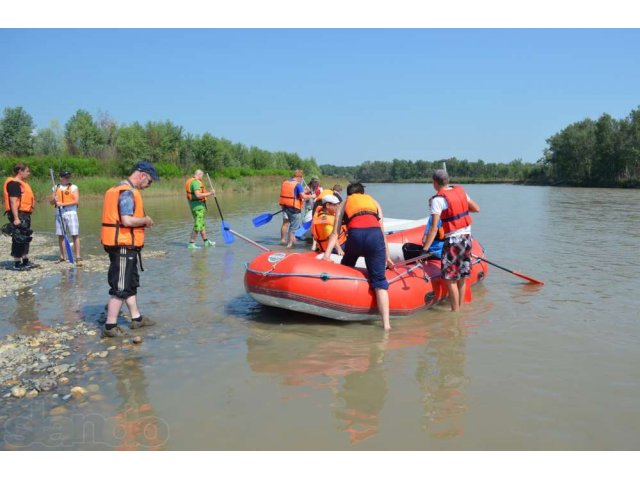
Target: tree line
x=600 y=153
x=603 y=152
x=116 y=147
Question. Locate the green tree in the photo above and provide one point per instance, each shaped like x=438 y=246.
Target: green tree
x=49 y=141
x=131 y=143
x=571 y=153
x=16 y=132
x=82 y=135
x=164 y=140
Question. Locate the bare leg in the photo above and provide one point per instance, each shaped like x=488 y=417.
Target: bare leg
x=76 y=245
x=283 y=231
x=194 y=234
x=454 y=295
x=132 y=304
x=61 y=245
x=292 y=240
x=113 y=309
x=203 y=234
x=382 y=297
x=461 y=292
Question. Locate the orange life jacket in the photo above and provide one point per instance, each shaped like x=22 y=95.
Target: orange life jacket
x=359 y=204
x=187 y=187
x=113 y=233
x=61 y=192
x=322 y=228
x=456 y=215
x=27 y=199
x=287 y=195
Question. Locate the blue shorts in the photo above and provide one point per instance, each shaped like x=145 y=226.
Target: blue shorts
x=368 y=243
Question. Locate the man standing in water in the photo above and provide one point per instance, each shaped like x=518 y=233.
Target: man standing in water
x=197 y=197
x=364 y=219
x=122 y=235
x=18 y=205
x=66 y=197
x=291 y=201
x=452 y=205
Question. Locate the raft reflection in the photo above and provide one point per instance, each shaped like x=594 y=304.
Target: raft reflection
x=357 y=370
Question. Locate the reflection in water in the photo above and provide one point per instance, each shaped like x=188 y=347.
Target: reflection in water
x=199 y=276
x=363 y=394
x=72 y=293
x=355 y=370
x=440 y=375
x=136 y=426
x=25 y=316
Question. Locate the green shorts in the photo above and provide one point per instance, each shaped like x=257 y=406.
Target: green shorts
x=198 y=218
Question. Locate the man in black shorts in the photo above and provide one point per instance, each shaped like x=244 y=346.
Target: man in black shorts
x=19 y=202
x=122 y=235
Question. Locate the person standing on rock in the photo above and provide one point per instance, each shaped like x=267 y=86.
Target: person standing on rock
x=19 y=202
x=197 y=197
x=122 y=236
x=66 y=197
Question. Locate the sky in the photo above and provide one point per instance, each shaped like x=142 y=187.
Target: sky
x=341 y=96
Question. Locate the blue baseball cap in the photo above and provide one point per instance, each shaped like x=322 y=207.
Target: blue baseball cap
x=147 y=167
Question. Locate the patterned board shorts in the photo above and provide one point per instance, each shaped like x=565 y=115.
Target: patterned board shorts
x=198 y=219
x=456 y=257
x=70 y=222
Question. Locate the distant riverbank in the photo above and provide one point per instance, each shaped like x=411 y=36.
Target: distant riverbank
x=96 y=186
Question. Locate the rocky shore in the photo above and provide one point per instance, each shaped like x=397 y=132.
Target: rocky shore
x=58 y=360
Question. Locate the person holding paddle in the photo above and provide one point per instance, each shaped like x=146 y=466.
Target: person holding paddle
x=292 y=196
x=452 y=206
x=122 y=235
x=66 y=197
x=197 y=198
x=19 y=202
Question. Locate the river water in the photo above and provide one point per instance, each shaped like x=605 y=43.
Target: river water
x=523 y=367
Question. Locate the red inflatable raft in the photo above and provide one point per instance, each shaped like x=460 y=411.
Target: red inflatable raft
x=301 y=282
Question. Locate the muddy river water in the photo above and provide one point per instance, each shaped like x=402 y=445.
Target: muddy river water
x=521 y=368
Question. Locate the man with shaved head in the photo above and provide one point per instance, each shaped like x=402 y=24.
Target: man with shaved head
x=197 y=197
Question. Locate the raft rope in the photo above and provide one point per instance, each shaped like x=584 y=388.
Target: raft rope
x=326 y=276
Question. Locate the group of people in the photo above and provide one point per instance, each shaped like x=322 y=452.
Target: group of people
x=122 y=232
x=354 y=228
x=19 y=202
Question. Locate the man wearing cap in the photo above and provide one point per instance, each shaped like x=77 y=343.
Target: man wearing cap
x=122 y=235
x=323 y=223
x=452 y=205
x=66 y=197
x=315 y=189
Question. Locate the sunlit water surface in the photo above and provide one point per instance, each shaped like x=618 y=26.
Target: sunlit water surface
x=523 y=367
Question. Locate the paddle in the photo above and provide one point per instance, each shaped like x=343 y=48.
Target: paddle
x=226 y=235
x=424 y=256
x=255 y=244
x=67 y=245
x=302 y=229
x=517 y=274
x=264 y=218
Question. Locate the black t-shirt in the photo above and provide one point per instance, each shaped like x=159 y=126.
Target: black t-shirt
x=14 y=190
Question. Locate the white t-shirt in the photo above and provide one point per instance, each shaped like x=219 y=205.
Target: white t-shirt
x=438 y=204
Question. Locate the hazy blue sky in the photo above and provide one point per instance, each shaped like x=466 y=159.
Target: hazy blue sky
x=341 y=96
